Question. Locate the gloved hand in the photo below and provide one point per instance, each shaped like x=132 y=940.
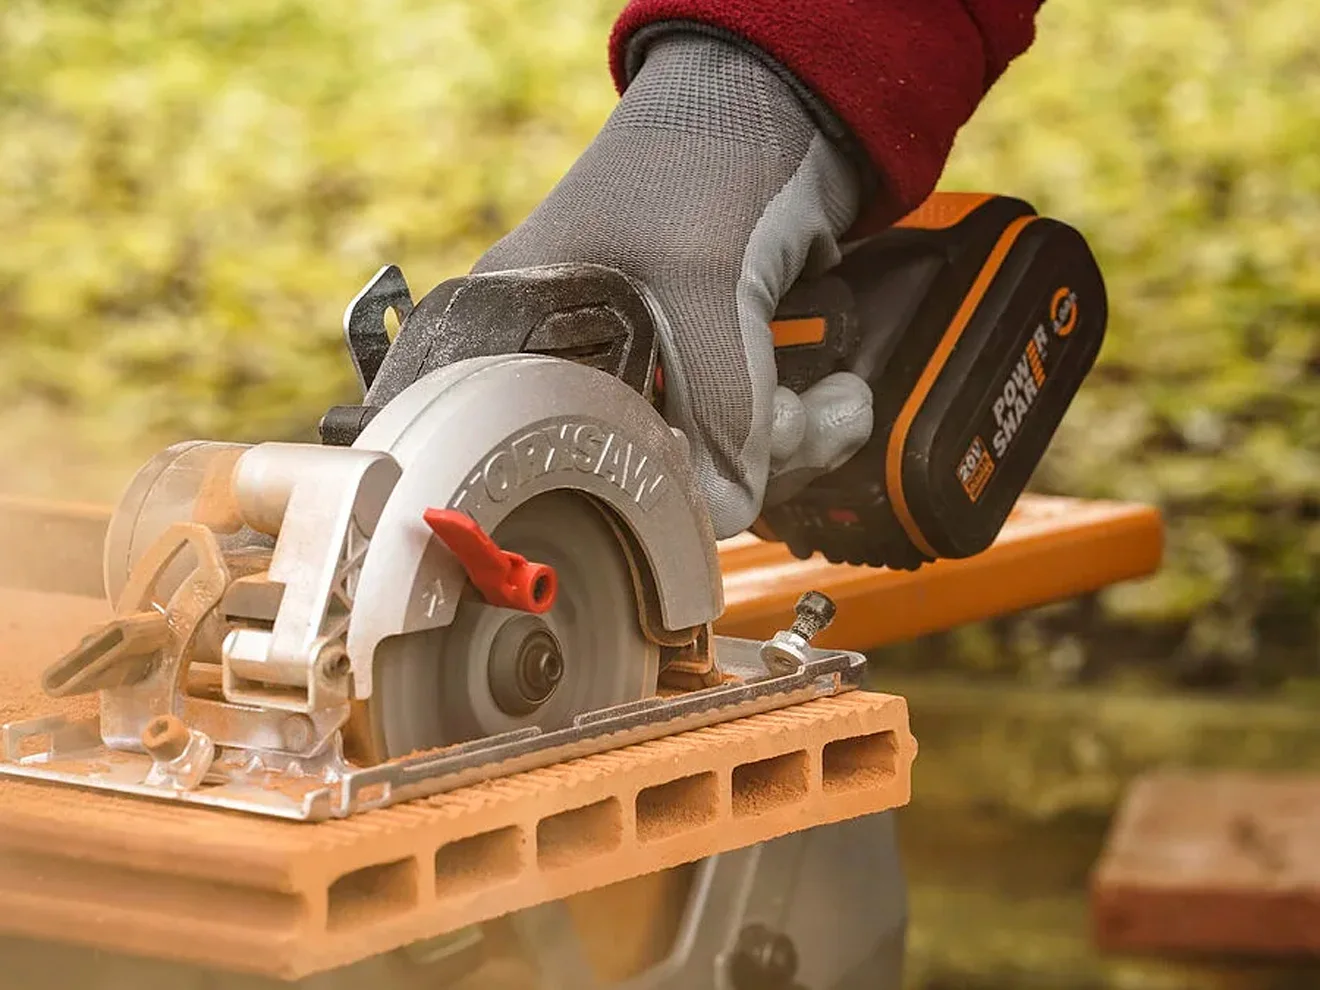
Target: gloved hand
x=711 y=184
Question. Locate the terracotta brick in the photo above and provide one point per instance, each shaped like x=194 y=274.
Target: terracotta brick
x=1215 y=862
x=288 y=899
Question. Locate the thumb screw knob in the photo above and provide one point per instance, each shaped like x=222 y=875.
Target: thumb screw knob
x=165 y=738
x=814 y=611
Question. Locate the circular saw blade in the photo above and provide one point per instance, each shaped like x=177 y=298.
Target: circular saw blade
x=449 y=685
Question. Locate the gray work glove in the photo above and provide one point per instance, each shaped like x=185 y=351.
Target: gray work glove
x=711 y=184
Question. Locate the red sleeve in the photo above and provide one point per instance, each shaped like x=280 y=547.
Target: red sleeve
x=900 y=76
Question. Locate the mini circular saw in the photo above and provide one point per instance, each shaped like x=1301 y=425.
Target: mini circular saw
x=499 y=558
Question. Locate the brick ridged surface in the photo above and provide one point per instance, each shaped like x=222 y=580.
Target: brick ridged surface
x=287 y=899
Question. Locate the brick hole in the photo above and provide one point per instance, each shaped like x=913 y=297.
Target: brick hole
x=859 y=762
x=573 y=836
x=483 y=860
x=677 y=806
x=372 y=894
x=768 y=784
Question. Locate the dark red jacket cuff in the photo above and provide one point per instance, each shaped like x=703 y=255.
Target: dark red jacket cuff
x=891 y=81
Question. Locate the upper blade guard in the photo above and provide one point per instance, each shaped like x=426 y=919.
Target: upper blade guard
x=484 y=436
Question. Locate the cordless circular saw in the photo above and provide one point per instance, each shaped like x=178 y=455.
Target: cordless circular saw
x=499 y=558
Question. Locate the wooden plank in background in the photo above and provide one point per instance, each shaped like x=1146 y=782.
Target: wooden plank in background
x=1051 y=549
x=1212 y=863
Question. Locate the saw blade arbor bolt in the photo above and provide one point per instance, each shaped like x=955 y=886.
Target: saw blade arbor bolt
x=526 y=665
x=542 y=668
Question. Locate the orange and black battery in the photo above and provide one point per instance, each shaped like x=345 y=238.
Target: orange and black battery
x=975 y=321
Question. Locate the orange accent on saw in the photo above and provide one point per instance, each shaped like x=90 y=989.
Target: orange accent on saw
x=943 y=210
x=505 y=580
x=797 y=332
x=898 y=437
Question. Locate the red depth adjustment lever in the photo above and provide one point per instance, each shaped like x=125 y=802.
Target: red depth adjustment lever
x=505 y=580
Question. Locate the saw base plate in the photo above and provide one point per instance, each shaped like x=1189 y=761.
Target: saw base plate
x=326 y=786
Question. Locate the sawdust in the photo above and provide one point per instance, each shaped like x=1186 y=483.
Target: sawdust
x=763 y=786
x=35 y=629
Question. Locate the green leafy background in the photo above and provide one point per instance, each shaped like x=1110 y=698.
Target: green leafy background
x=191 y=192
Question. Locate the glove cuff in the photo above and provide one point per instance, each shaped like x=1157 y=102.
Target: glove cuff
x=641 y=41
x=903 y=75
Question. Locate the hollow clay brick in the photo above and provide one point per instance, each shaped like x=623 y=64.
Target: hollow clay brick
x=287 y=899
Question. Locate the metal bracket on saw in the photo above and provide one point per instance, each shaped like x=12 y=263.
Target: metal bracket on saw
x=328 y=787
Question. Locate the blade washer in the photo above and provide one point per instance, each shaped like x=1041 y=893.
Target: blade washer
x=526 y=665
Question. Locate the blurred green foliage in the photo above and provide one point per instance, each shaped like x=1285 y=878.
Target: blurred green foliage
x=193 y=192
x=1182 y=138
x=190 y=193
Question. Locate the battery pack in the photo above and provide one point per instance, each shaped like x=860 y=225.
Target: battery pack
x=975 y=322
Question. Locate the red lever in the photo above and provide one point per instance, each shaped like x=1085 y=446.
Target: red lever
x=506 y=580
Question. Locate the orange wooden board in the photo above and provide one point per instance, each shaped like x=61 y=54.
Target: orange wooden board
x=1051 y=549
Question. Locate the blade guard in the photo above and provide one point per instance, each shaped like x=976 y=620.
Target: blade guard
x=505 y=580
x=485 y=435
